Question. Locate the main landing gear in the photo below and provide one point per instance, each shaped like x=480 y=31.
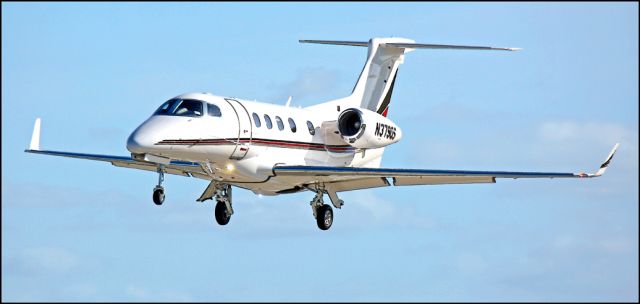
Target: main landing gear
x=158 y=191
x=324 y=213
x=221 y=193
x=218 y=191
x=224 y=210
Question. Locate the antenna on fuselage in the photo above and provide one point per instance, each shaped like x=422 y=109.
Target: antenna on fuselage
x=288 y=102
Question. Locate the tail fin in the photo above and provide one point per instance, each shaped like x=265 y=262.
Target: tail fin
x=375 y=84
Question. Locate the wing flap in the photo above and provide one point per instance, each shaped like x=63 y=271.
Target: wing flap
x=358 y=184
x=441 y=180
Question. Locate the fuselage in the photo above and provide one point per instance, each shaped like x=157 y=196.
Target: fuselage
x=239 y=141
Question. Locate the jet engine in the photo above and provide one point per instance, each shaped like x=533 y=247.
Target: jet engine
x=365 y=129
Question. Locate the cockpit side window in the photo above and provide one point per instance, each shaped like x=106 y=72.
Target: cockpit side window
x=181 y=107
x=166 y=107
x=213 y=110
x=189 y=107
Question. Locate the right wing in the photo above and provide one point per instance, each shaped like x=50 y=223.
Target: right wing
x=352 y=178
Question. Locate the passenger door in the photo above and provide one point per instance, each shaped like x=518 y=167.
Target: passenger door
x=245 y=129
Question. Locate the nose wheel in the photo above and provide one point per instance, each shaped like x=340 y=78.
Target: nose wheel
x=158 y=195
x=158 y=191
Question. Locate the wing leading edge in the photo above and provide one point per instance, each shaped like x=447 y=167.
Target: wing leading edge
x=403 y=177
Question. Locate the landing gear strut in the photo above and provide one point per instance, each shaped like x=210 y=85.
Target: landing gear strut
x=158 y=191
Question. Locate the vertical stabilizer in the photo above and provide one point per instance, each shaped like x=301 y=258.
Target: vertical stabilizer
x=375 y=85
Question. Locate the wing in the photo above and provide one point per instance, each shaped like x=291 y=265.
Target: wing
x=362 y=178
x=172 y=167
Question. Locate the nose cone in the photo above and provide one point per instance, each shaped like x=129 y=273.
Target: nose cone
x=145 y=137
x=138 y=142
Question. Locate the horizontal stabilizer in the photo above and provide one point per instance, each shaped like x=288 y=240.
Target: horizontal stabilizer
x=449 y=47
x=334 y=42
x=413 y=45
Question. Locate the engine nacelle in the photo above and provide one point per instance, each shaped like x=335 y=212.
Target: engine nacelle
x=365 y=129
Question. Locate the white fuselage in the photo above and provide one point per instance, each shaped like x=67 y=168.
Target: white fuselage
x=237 y=149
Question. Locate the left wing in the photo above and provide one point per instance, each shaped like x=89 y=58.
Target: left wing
x=173 y=167
x=405 y=177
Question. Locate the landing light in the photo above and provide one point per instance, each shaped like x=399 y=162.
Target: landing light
x=230 y=167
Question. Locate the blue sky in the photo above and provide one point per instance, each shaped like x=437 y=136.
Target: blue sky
x=82 y=230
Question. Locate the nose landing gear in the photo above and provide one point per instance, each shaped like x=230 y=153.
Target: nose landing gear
x=158 y=195
x=158 y=191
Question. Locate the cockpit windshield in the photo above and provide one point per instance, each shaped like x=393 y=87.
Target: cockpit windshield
x=181 y=107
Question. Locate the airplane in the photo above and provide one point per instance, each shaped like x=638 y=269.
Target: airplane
x=270 y=149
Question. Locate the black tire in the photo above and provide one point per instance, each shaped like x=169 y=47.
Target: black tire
x=324 y=217
x=222 y=215
x=158 y=196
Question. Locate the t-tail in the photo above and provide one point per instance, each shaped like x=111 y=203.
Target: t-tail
x=374 y=86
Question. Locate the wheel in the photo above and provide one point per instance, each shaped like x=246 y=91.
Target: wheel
x=324 y=217
x=222 y=215
x=158 y=196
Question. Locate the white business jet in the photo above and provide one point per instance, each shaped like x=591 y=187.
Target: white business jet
x=273 y=149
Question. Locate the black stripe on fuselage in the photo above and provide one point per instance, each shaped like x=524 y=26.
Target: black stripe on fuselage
x=259 y=142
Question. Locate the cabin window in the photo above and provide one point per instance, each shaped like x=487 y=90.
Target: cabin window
x=267 y=121
x=312 y=129
x=256 y=120
x=213 y=110
x=279 y=122
x=292 y=125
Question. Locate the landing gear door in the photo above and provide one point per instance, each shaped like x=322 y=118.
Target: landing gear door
x=245 y=129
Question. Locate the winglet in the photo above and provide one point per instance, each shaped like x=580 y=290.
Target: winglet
x=604 y=165
x=35 y=137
